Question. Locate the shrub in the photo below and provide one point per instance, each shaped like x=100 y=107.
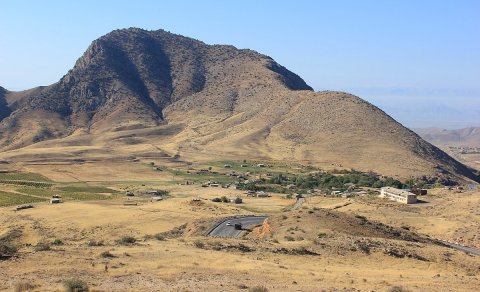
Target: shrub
x=126 y=240
x=57 y=242
x=93 y=242
x=160 y=236
x=24 y=286
x=321 y=234
x=397 y=289
x=42 y=246
x=289 y=238
x=360 y=217
x=258 y=289
x=7 y=249
x=75 y=285
x=199 y=244
x=238 y=200
x=216 y=200
x=107 y=254
x=225 y=199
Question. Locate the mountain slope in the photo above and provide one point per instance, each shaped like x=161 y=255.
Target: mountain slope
x=182 y=96
x=458 y=137
x=4 y=109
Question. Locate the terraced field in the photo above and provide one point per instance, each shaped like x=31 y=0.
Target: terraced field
x=11 y=199
x=23 y=176
x=78 y=196
x=24 y=187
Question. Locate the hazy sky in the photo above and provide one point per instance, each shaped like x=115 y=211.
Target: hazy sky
x=417 y=60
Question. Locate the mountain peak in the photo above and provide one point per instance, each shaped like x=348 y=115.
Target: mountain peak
x=214 y=99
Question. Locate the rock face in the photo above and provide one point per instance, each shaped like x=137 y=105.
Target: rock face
x=4 y=109
x=221 y=101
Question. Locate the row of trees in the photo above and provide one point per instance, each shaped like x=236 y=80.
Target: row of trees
x=329 y=181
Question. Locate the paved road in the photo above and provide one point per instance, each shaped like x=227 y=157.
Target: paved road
x=223 y=230
x=466 y=249
x=297 y=204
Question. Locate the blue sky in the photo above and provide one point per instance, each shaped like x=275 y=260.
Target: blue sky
x=417 y=60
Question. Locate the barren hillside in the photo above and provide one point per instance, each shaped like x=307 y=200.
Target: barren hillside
x=178 y=95
x=458 y=137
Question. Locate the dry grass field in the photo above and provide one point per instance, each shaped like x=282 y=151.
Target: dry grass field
x=330 y=244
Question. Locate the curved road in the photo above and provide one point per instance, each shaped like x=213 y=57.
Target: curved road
x=223 y=230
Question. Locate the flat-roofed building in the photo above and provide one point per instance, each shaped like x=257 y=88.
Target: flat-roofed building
x=398 y=195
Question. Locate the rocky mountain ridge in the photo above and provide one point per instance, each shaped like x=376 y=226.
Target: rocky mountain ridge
x=211 y=101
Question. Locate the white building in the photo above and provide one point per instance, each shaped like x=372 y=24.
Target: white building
x=398 y=195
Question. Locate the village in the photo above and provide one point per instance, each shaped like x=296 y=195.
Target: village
x=226 y=208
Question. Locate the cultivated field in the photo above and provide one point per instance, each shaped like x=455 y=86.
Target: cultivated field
x=115 y=243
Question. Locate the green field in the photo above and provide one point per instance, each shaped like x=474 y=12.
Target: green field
x=47 y=193
x=88 y=189
x=11 y=199
x=24 y=176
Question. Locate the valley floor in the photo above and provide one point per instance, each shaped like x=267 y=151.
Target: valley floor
x=333 y=244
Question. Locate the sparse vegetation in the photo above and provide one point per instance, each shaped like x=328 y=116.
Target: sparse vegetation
x=75 y=285
x=24 y=286
x=258 y=289
x=42 y=246
x=397 y=289
x=7 y=249
x=126 y=240
x=160 y=237
x=360 y=217
x=107 y=254
x=199 y=244
x=57 y=242
x=93 y=242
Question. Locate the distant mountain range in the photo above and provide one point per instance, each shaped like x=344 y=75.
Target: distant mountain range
x=135 y=91
x=459 y=137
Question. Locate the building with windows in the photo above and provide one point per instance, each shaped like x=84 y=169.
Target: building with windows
x=398 y=195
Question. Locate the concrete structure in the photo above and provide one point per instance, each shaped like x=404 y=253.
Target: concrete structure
x=398 y=195
x=262 y=194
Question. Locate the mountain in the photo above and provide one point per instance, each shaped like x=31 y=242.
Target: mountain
x=4 y=109
x=135 y=91
x=458 y=137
